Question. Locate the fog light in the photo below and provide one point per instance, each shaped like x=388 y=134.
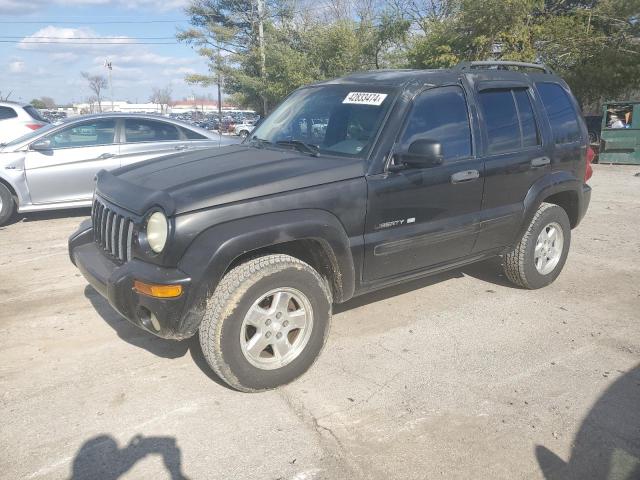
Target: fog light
x=155 y=322
x=158 y=291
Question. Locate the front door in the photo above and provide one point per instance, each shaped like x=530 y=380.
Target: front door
x=65 y=172
x=422 y=217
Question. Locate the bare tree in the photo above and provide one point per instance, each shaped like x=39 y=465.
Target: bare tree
x=162 y=96
x=96 y=84
x=48 y=102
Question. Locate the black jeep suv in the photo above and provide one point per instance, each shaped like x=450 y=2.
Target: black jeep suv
x=349 y=186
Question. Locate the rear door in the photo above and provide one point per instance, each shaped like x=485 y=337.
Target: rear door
x=422 y=217
x=66 y=171
x=145 y=139
x=515 y=157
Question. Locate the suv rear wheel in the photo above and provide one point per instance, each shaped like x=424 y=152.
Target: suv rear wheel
x=266 y=322
x=540 y=255
x=7 y=204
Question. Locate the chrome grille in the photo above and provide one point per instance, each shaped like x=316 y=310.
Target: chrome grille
x=112 y=230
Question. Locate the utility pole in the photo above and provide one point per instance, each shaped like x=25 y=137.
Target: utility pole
x=219 y=97
x=107 y=63
x=263 y=58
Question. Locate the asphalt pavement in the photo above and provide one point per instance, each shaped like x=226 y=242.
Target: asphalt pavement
x=459 y=376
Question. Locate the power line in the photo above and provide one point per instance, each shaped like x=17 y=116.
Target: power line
x=60 y=22
x=47 y=42
x=28 y=38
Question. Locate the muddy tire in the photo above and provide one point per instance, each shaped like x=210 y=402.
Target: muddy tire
x=539 y=257
x=266 y=322
x=7 y=205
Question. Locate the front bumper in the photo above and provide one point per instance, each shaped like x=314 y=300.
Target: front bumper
x=164 y=317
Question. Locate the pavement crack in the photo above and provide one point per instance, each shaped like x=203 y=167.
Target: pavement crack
x=330 y=443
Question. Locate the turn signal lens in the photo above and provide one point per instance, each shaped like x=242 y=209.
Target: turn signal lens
x=158 y=291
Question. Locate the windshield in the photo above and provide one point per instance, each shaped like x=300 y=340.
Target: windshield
x=332 y=119
x=30 y=135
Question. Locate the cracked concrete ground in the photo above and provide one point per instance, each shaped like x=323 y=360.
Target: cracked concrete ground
x=458 y=376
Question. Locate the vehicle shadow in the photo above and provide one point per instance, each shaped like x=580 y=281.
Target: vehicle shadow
x=48 y=215
x=147 y=341
x=132 y=334
x=101 y=458
x=607 y=446
x=489 y=271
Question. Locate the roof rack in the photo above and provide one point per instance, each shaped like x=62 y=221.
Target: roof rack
x=501 y=65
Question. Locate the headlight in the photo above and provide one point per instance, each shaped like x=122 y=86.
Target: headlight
x=157 y=231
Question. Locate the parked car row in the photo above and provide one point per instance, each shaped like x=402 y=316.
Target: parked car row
x=228 y=123
x=54 y=166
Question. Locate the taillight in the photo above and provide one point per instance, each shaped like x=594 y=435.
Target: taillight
x=34 y=126
x=589 y=158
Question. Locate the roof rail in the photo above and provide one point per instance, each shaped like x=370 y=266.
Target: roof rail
x=501 y=65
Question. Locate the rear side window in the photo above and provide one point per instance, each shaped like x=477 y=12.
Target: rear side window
x=7 y=112
x=441 y=114
x=34 y=113
x=149 y=131
x=191 y=135
x=509 y=120
x=501 y=120
x=527 y=119
x=562 y=116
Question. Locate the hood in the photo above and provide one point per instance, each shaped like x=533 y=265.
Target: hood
x=205 y=178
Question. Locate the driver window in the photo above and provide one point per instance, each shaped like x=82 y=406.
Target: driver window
x=440 y=114
x=89 y=134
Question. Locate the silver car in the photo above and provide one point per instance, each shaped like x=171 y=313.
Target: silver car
x=54 y=167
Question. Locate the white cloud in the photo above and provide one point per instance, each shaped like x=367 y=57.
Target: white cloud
x=16 y=66
x=53 y=38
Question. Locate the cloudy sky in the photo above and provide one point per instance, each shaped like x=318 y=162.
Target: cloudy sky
x=86 y=32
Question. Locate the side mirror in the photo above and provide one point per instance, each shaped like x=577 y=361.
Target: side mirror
x=41 y=145
x=422 y=153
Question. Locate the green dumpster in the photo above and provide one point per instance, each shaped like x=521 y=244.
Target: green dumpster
x=620 y=137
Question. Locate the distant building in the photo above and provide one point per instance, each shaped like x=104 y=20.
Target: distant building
x=179 y=106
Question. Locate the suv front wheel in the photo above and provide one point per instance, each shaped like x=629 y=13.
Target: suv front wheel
x=266 y=322
x=540 y=255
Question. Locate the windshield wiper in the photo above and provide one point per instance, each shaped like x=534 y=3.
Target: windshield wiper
x=255 y=141
x=301 y=146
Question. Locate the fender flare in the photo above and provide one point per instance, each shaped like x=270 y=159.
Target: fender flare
x=212 y=252
x=555 y=182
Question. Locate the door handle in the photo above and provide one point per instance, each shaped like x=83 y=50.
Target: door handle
x=465 y=176
x=104 y=156
x=180 y=147
x=540 y=162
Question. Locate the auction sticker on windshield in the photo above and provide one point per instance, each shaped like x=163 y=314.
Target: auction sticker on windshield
x=365 y=98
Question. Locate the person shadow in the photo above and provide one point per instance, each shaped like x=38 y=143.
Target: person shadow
x=101 y=458
x=607 y=445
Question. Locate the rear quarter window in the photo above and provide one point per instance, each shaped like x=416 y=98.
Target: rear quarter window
x=191 y=135
x=7 y=112
x=562 y=116
x=34 y=113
